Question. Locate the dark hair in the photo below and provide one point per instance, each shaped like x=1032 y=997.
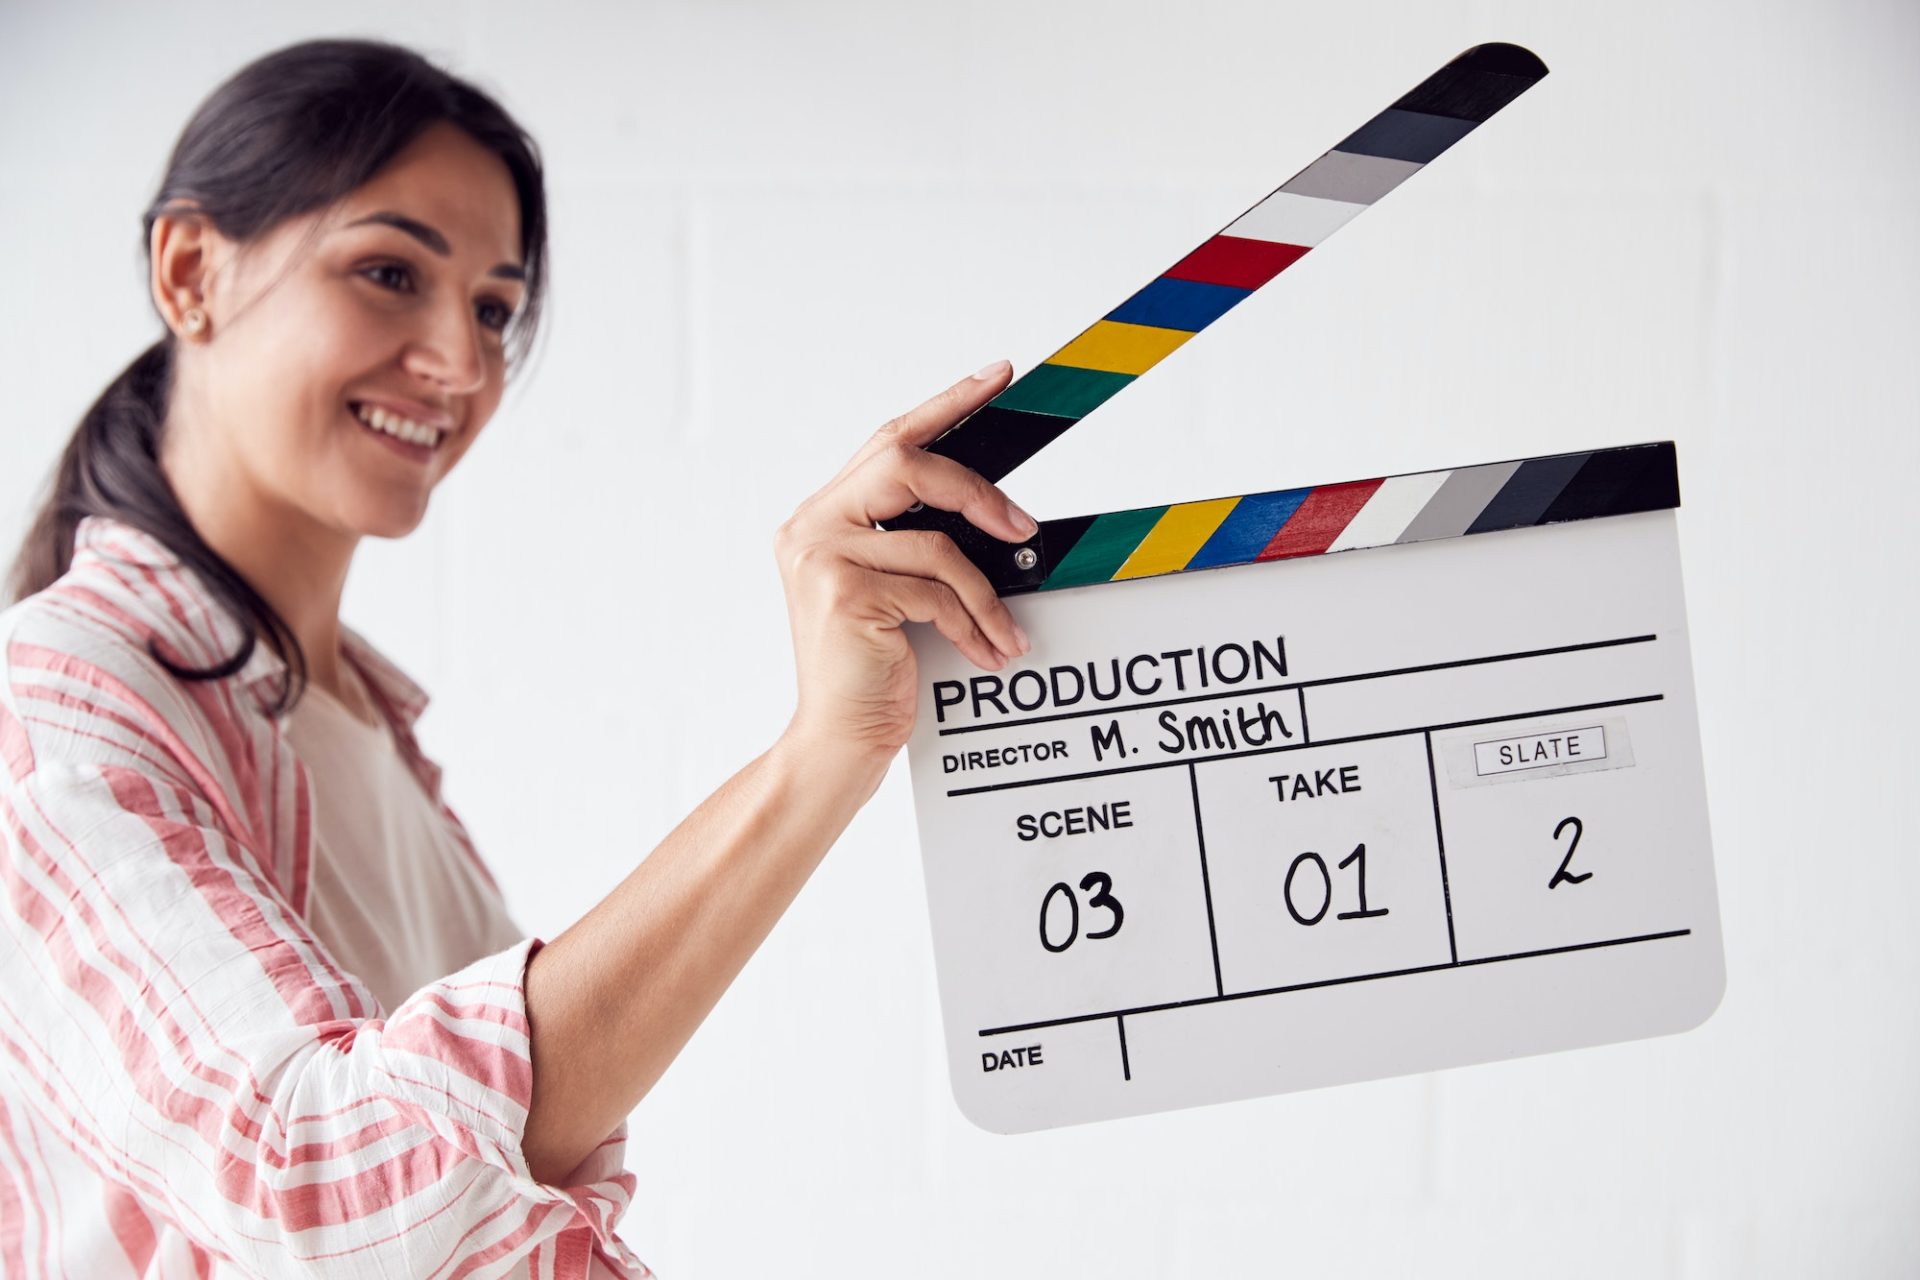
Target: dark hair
x=291 y=132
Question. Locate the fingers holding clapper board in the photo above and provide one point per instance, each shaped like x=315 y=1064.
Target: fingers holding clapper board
x=1311 y=817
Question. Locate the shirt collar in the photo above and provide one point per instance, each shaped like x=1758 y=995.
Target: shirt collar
x=264 y=670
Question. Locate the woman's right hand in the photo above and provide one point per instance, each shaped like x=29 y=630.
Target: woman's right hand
x=850 y=586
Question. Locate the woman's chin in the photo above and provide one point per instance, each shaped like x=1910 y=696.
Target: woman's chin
x=393 y=519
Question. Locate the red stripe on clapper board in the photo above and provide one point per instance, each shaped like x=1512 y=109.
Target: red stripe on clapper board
x=1230 y=260
x=1319 y=520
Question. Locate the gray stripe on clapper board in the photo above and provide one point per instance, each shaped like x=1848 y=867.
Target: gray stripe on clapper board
x=1458 y=502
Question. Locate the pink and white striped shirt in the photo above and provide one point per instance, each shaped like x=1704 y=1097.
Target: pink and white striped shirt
x=190 y=1084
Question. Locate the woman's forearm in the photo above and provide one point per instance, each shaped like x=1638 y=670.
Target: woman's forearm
x=614 y=998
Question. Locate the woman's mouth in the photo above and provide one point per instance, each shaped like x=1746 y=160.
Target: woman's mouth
x=406 y=438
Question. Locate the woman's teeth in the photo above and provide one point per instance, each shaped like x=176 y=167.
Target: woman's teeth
x=395 y=425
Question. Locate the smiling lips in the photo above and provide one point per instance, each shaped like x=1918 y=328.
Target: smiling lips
x=396 y=425
x=389 y=436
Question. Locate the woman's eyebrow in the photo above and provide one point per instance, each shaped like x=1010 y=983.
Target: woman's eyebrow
x=427 y=236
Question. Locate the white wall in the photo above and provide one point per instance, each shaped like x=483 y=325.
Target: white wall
x=776 y=226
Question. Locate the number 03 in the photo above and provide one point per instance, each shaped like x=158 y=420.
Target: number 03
x=1102 y=897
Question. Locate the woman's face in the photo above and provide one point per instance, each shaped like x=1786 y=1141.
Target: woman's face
x=398 y=303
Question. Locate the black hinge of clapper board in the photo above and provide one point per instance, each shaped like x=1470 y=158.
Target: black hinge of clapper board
x=1041 y=405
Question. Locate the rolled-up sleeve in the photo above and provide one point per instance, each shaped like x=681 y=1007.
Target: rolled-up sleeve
x=163 y=1006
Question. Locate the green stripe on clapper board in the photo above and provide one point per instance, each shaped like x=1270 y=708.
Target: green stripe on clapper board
x=1061 y=391
x=1104 y=547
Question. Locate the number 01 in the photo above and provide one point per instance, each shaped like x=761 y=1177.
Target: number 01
x=1357 y=859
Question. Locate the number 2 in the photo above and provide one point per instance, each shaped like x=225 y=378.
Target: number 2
x=1562 y=875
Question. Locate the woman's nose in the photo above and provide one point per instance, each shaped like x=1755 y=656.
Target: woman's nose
x=450 y=355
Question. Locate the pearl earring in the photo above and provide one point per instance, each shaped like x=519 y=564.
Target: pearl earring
x=194 y=320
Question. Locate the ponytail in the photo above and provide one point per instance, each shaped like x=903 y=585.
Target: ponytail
x=111 y=467
x=111 y=459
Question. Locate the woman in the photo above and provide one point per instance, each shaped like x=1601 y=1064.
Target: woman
x=262 y=1009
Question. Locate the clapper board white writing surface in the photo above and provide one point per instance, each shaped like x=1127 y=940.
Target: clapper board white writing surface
x=1318 y=784
x=1435 y=804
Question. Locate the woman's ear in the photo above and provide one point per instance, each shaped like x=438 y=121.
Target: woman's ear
x=180 y=248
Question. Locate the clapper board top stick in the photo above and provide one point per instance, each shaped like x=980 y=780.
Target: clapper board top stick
x=1310 y=818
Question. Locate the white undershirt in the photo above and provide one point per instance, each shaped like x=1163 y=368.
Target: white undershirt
x=392 y=893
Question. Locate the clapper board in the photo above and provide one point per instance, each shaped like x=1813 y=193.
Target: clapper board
x=1315 y=785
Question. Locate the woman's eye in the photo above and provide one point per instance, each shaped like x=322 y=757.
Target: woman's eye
x=504 y=311
x=387 y=266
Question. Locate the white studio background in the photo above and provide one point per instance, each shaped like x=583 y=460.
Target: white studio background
x=774 y=226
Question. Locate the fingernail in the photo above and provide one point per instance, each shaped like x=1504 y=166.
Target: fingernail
x=991 y=370
x=1020 y=634
x=1021 y=520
